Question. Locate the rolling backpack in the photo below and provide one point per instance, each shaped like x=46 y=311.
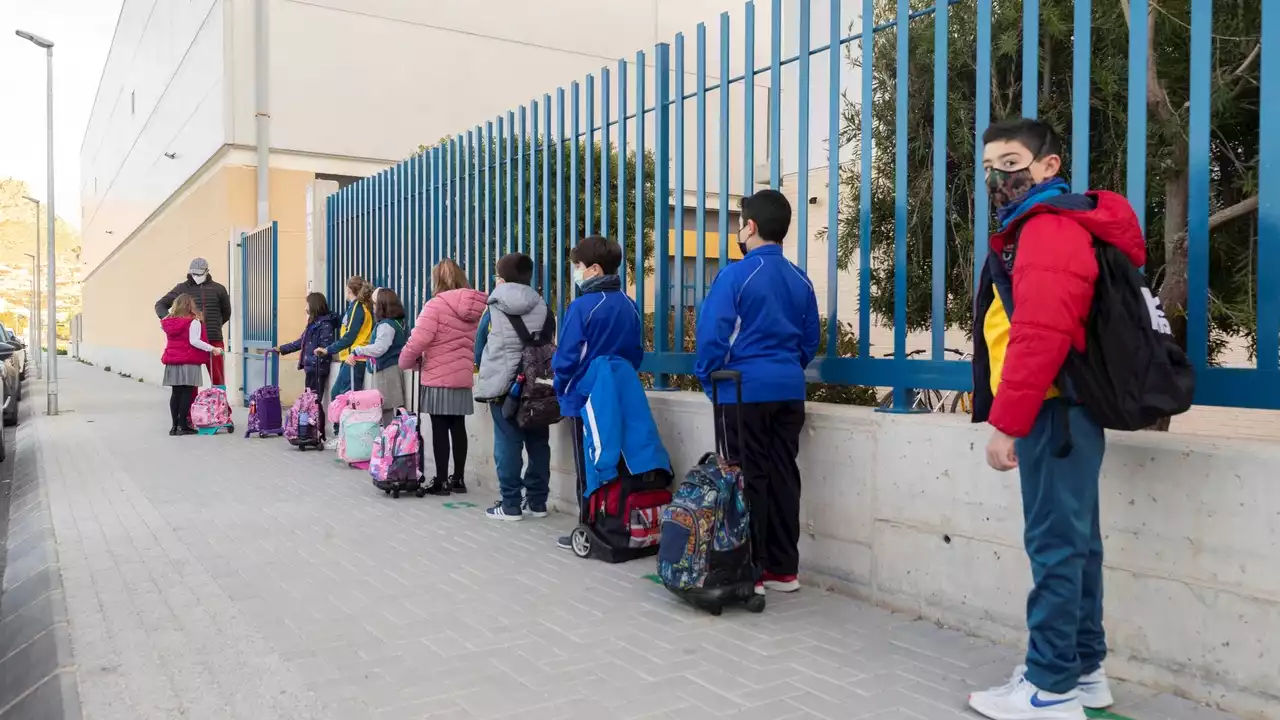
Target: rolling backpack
x=395 y=460
x=534 y=403
x=354 y=400
x=705 y=555
x=357 y=431
x=302 y=427
x=211 y=411
x=264 y=403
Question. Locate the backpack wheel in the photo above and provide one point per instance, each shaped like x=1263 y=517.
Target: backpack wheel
x=386 y=491
x=715 y=610
x=756 y=604
x=581 y=542
x=395 y=494
x=420 y=492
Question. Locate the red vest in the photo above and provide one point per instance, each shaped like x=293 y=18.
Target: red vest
x=179 y=350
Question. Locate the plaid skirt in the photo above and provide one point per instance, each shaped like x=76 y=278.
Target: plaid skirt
x=445 y=401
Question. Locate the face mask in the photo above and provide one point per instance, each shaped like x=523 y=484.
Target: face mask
x=199 y=279
x=1008 y=186
x=579 y=275
x=742 y=244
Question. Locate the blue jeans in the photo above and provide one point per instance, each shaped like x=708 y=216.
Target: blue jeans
x=1064 y=542
x=348 y=378
x=510 y=443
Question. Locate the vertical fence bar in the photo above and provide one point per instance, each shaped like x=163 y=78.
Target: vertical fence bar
x=1136 y=165
x=700 y=262
x=723 y=214
x=439 y=231
x=520 y=219
x=473 y=247
x=661 y=209
x=802 y=174
x=490 y=207
x=639 y=191
x=1080 y=60
x=459 y=210
x=938 y=311
x=547 y=144
x=330 y=213
x=589 y=178
x=1198 y=164
x=981 y=119
x=833 y=180
x=575 y=144
x=1030 y=57
x=749 y=99
x=560 y=259
x=676 y=258
x=775 y=95
x=1269 y=193
x=509 y=207
x=903 y=36
x=532 y=248
x=865 y=150
x=622 y=165
x=606 y=150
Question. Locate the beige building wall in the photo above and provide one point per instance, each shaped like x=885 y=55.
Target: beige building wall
x=120 y=330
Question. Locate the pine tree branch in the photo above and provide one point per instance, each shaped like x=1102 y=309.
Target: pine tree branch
x=1234 y=212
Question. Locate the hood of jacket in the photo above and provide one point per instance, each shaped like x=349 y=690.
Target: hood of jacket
x=465 y=304
x=1104 y=214
x=514 y=299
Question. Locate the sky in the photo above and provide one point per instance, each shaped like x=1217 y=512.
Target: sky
x=81 y=31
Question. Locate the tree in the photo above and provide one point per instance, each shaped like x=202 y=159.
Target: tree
x=1233 y=150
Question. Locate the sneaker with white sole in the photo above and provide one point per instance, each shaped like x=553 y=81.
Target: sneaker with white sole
x=1020 y=700
x=1095 y=690
x=531 y=511
x=497 y=512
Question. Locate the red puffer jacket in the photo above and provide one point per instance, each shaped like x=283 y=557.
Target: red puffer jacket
x=1044 y=262
x=179 y=350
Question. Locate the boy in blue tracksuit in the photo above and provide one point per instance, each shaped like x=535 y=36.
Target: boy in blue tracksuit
x=602 y=322
x=761 y=319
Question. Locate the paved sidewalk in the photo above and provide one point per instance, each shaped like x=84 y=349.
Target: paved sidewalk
x=218 y=577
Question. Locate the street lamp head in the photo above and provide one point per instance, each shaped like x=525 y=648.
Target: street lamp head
x=34 y=38
x=28 y=197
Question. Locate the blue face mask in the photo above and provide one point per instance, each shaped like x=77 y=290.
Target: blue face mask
x=579 y=275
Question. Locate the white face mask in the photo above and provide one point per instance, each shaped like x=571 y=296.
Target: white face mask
x=579 y=275
x=199 y=279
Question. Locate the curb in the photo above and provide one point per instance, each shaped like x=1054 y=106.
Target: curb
x=37 y=671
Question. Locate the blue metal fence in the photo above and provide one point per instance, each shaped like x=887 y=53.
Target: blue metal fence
x=489 y=191
x=259 y=275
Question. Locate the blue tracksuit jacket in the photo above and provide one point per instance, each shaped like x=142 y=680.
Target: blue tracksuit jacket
x=761 y=319
x=600 y=323
x=616 y=423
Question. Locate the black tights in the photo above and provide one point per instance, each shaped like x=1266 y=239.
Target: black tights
x=442 y=428
x=180 y=405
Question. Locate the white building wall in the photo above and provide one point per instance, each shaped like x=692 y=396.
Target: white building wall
x=162 y=91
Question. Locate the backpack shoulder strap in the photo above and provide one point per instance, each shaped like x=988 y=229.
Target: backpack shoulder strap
x=526 y=337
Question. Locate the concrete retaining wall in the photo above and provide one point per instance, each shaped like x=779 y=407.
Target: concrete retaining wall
x=903 y=512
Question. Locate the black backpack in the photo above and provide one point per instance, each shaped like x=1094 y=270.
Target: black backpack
x=537 y=406
x=1132 y=372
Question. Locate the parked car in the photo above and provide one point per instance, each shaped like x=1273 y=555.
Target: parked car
x=25 y=363
x=12 y=357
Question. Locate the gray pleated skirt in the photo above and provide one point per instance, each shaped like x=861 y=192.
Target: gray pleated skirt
x=183 y=375
x=445 y=401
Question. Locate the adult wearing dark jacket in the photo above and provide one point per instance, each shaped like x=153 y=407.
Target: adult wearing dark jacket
x=761 y=320
x=214 y=305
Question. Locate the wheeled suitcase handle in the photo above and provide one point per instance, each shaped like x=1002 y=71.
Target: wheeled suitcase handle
x=266 y=366
x=722 y=440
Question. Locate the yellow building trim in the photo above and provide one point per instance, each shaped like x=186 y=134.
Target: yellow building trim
x=710 y=245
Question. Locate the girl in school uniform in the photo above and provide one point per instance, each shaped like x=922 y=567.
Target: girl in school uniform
x=186 y=351
x=383 y=351
x=357 y=327
x=318 y=334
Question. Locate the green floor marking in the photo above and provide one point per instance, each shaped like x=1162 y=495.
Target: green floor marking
x=658 y=581
x=1104 y=715
x=457 y=505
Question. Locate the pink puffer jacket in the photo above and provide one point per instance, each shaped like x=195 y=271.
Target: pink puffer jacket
x=445 y=338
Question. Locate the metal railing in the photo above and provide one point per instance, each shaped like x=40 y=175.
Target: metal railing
x=528 y=180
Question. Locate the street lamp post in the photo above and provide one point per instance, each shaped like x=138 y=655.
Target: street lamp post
x=51 y=267
x=35 y=295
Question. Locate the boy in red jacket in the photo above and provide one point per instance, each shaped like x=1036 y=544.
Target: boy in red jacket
x=1042 y=262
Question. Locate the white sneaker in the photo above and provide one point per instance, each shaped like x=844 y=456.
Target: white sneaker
x=1020 y=700
x=498 y=513
x=1095 y=690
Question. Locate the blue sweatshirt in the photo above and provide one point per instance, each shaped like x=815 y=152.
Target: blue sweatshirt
x=602 y=322
x=761 y=319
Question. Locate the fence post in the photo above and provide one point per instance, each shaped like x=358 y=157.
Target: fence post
x=661 y=209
